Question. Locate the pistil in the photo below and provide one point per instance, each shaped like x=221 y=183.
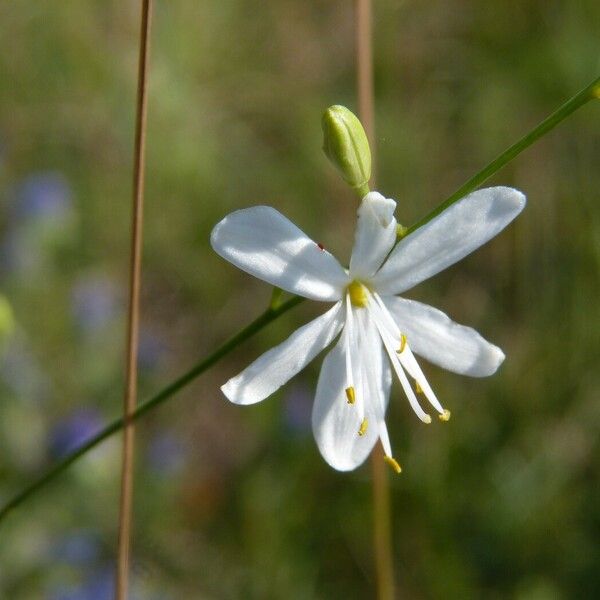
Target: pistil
x=358 y=294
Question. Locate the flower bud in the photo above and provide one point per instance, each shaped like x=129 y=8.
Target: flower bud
x=345 y=144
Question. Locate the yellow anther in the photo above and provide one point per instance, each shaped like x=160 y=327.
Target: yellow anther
x=402 y=344
x=418 y=387
x=445 y=416
x=358 y=294
x=393 y=463
x=363 y=427
x=401 y=231
x=350 y=395
x=427 y=419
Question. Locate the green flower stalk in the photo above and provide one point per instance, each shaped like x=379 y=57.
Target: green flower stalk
x=346 y=145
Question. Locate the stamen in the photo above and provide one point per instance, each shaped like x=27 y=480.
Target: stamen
x=407 y=358
x=350 y=392
x=385 y=314
x=358 y=294
x=387 y=449
x=385 y=337
x=363 y=427
x=350 y=395
x=422 y=385
x=402 y=343
x=354 y=391
x=445 y=416
x=393 y=463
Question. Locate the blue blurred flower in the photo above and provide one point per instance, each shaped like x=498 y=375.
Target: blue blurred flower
x=77 y=548
x=72 y=431
x=43 y=195
x=166 y=454
x=151 y=351
x=94 y=303
x=98 y=586
x=41 y=220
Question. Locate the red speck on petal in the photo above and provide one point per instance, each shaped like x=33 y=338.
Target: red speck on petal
x=321 y=247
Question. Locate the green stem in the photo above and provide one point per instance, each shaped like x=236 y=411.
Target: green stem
x=569 y=107
x=276 y=298
x=588 y=93
x=260 y=323
x=362 y=190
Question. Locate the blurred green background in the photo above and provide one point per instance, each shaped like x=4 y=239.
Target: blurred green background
x=503 y=502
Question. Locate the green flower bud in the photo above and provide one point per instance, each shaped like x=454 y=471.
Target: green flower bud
x=345 y=144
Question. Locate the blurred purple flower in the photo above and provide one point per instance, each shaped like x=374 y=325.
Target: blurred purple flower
x=77 y=548
x=101 y=586
x=297 y=409
x=43 y=195
x=69 y=433
x=94 y=303
x=151 y=351
x=166 y=454
x=40 y=218
x=98 y=586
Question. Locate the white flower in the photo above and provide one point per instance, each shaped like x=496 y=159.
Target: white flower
x=379 y=329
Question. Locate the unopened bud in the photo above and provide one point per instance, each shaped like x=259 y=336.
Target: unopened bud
x=346 y=145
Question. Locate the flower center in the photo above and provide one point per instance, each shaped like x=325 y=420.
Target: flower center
x=358 y=294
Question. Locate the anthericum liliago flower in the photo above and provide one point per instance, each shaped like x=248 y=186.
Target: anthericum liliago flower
x=379 y=331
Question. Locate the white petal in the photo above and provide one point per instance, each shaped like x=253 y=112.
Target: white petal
x=262 y=242
x=438 y=339
x=352 y=358
x=448 y=238
x=377 y=366
x=375 y=362
x=375 y=235
x=335 y=422
x=277 y=366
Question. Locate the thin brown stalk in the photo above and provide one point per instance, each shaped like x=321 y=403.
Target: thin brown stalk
x=382 y=527
x=381 y=494
x=364 y=73
x=133 y=320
